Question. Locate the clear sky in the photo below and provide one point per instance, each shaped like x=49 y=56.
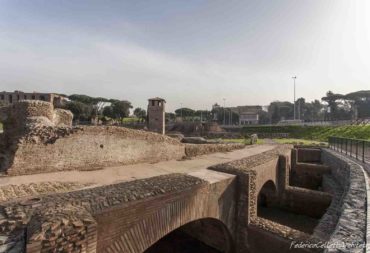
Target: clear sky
x=192 y=52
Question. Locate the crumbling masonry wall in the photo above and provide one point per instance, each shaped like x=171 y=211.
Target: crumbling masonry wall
x=39 y=138
x=348 y=215
x=114 y=218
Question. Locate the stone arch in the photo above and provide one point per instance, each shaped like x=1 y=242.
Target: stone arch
x=267 y=196
x=202 y=235
x=136 y=228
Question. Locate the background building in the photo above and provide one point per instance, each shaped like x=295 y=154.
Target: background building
x=248 y=114
x=7 y=98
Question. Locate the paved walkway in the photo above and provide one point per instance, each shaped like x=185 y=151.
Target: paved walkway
x=111 y=175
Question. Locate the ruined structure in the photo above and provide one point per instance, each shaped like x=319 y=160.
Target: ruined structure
x=156 y=115
x=227 y=207
x=38 y=138
x=270 y=201
x=7 y=98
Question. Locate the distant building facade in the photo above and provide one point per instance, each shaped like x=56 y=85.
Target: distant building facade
x=248 y=114
x=156 y=115
x=7 y=98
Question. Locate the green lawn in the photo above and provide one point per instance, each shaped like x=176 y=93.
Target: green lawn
x=299 y=142
x=280 y=141
x=130 y=120
x=244 y=141
x=316 y=133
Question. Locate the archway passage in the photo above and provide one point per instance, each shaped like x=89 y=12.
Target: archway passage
x=267 y=197
x=268 y=208
x=201 y=236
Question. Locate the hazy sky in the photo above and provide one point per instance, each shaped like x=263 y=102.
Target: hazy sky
x=192 y=52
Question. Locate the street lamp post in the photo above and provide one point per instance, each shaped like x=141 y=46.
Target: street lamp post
x=231 y=117
x=181 y=110
x=294 y=78
x=224 y=110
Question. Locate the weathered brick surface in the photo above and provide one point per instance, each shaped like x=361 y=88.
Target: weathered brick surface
x=308 y=175
x=11 y=192
x=38 y=138
x=252 y=173
x=90 y=148
x=131 y=216
x=309 y=155
x=304 y=201
x=192 y=150
x=70 y=221
x=351 y=209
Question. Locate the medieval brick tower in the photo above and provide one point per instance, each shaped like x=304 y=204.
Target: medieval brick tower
x=156 y=115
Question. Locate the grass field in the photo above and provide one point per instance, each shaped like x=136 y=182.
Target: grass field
x=299 y=142
x=316 y=133
x=244 y=141
x=280 y=141
x=130 y=120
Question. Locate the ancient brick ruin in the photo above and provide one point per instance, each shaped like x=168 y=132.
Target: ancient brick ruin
x=38 y=138
x=157 y=115
x=264 y=202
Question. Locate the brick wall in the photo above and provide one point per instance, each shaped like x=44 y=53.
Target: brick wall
x=93 y=148
x=309 y=155
x=192 y=150
x=351 y=211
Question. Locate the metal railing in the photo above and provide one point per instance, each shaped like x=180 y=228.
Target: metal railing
x=359 y=149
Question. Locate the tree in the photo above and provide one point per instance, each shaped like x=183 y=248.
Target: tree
x=361 y=103
x=140 y=113
x=184 y=112
x=170 y=116
x=203 y=114
x=263 y=117
x=340 y=107
x=80 y=110
x=121 y=109
x=89 y=100
x=317 y=110
x=108 y=112
x=279 y=110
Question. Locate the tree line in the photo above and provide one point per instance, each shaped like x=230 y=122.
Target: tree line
x=84 y=108
x=351 y=106
x=333 y=106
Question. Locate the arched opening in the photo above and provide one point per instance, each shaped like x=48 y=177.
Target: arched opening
x=267 y=198
x=202 y=236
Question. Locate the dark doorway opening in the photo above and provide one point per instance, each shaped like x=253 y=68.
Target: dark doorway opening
x=200 y=236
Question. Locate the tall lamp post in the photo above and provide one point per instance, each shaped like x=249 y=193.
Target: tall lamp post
x=224 y=110
x=181 y=110
x=294 y=78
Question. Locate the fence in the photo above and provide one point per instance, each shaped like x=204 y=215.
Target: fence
x=359 y=149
